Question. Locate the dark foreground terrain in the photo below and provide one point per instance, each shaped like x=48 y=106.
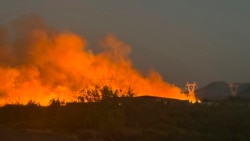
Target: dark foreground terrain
x=32 y=135
x=130 y=118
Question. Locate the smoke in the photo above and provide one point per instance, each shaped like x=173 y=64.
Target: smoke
x=39 y=63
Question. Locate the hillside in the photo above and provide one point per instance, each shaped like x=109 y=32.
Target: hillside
x=219 y=90
x=143 y=118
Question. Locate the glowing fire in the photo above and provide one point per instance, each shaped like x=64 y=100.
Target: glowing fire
x=38 y=63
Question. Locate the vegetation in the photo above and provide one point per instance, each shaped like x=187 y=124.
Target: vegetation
x=123 y=118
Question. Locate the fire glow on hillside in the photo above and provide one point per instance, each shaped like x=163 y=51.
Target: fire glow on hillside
x=39 y=63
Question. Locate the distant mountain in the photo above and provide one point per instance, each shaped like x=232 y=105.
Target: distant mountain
x=244 y=90
x=219 y=90
x=214 y=91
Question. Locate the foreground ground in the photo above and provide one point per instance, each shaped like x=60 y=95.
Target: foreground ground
x=123 y=119
x=7 y=134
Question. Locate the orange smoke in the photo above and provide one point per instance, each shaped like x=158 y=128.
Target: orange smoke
x=38 y=63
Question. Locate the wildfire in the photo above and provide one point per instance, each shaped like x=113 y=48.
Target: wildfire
x=39 y=63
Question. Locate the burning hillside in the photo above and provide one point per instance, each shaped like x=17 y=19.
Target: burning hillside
x=39 y=63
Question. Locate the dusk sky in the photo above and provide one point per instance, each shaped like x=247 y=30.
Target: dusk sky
x=184 y=40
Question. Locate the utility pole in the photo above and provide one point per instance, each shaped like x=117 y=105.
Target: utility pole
x=233 y=88
x=191 y=87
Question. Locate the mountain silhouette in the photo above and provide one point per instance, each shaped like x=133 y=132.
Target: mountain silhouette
x=219 y=90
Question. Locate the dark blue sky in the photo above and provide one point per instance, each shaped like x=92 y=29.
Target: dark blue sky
x=184 y=40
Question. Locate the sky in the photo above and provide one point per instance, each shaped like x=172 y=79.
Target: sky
x=193 y=40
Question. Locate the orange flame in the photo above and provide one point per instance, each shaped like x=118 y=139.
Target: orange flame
x=38 y=63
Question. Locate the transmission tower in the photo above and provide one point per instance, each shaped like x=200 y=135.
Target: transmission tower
x=233 y=88
x=191 y=87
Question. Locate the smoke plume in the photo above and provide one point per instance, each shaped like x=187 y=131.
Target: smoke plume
x=39 y=63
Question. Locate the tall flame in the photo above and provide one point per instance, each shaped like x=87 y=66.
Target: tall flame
x=39 y=63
